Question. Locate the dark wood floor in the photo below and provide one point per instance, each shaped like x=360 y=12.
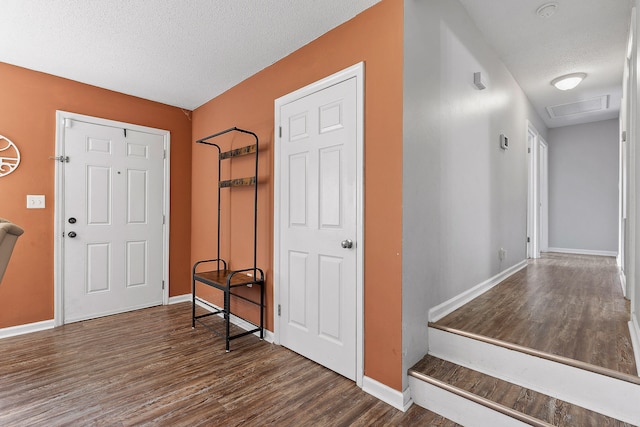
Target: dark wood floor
x=150 y=368
x=567 y=305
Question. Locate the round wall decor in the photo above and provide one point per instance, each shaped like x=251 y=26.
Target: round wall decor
x=9 y=156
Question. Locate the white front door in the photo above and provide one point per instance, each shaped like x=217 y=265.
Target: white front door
x=317 y=225
x=113 y=220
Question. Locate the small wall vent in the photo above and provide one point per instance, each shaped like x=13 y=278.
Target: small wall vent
x=581 y=107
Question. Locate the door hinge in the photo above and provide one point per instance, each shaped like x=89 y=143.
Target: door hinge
x=164 y=219
x=125 y=132
x=163 y=285
x=280 y=131
x=529 y=150
x=528 y=240
x=165 y=154
x=279 y=310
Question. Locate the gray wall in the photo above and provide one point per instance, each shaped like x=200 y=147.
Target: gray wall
x=463 y=197
x=583 y=187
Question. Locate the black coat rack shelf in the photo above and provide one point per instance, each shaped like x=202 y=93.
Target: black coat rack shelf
x=214 y=272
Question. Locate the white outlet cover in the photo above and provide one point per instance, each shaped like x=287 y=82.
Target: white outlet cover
x=35 y=201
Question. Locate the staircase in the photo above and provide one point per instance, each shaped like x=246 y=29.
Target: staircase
x=479 y=381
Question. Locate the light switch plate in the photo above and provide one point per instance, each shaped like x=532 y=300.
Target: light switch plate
x=35 y=201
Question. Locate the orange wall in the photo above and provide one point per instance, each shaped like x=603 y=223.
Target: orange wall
x=28 y=104
x=375 y=37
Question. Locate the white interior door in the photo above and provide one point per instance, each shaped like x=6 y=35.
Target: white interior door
x=113 y=220
x=318 y=244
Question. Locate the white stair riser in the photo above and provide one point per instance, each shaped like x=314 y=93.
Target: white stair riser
x=457 y=408
x=609 y=396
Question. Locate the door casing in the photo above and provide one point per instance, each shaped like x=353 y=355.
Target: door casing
x=534 y=214
x=58 y=252
x=543 y=168
x=356 y=71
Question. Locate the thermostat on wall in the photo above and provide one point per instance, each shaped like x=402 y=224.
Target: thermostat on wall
x=504 y=141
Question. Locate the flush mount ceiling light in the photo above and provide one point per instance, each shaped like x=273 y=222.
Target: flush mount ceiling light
x=547 y=9
x=568 y=81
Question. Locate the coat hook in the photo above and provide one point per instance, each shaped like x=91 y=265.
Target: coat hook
x=61 y=159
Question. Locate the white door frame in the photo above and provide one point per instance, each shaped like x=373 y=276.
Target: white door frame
x=627 y=168
x=633 y=160
x=356 y=71
x=543 y=180
x=58 y=251
x=533 y=220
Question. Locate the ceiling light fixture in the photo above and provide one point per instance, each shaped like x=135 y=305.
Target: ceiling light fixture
x=568 y=81
x=547 y=9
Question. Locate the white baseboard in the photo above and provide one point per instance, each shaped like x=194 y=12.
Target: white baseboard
x=180 y=298
x=438 y=312
x=583 y=252
x=398 y=400
x=268 y=335
x=26 y=329
x=623 y=283
x=634 y=331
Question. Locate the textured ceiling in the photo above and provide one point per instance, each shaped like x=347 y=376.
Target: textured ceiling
x=582 y=36
x=186 y=52
x=178 y=52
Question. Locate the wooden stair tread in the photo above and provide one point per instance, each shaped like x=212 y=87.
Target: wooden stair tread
x=537 y=405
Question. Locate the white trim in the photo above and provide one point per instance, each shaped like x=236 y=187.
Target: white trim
x=58 y=280
x=438 y=312
x=623 y=283
x=583 y=252
x=398 y=400
x=456 y=408
x=268 y=335
x=166 y=207
x=600 y=393
x=180 y=298
x=356 y=71
x=533 y=195
x=26 y=329
x=543 y=190
x=634 y=331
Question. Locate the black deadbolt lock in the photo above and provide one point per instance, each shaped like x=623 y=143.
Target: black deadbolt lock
x=72 y=220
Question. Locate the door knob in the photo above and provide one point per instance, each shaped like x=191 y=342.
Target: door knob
x=347 y=244
x=72 y=234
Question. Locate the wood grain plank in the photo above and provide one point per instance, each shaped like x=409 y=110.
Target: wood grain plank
x=149 y=367
x=567 y=305
x=525 y=401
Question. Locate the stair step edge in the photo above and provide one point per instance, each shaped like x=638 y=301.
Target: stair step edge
x=490 y=404
x=543 y=355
